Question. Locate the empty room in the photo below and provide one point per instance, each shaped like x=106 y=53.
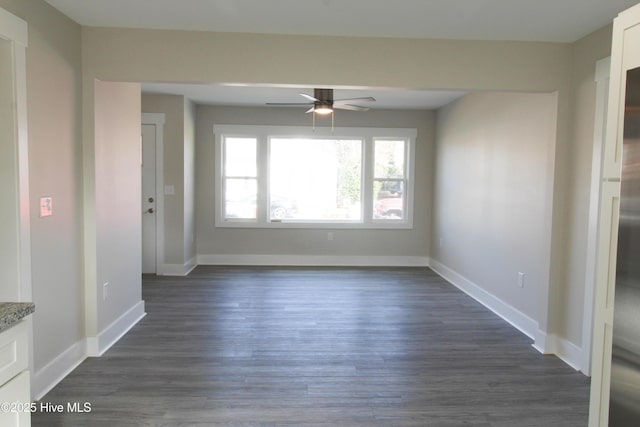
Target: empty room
x=287 y=213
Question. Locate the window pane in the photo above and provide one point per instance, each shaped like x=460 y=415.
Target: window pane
x=315 y=179
x=388 y=196
x=389 y=158
x=240 y=157
x=240 y=198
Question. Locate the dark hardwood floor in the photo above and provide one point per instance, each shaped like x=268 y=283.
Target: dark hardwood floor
x=236 y=346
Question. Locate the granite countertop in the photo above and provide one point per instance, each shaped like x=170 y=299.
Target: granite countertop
x=12 y=312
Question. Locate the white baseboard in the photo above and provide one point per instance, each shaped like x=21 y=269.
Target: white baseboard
x=53 y=372
x=543 y=342
x=315 y=261
x=540 y=342
x=516 y=318
x=96 y=346
x=567 y=351
x=178 y=269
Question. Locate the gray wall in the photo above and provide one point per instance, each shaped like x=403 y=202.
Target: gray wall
x=194 y=56
x=493 y=189
x=118 y=231
x=55 y=170
x=215 y=242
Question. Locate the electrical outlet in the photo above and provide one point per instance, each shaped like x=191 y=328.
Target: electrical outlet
x=521 y=280
x=441 y=243
x=105 y=291
x=330 y=235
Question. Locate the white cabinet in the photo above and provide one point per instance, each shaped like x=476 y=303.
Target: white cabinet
x=15 y=396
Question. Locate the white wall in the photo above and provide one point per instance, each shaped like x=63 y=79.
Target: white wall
x=493 y=193
x=225 y=244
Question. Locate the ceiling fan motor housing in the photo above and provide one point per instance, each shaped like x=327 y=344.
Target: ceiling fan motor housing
x=323 y=97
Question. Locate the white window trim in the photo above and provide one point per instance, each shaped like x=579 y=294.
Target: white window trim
x=368 y=135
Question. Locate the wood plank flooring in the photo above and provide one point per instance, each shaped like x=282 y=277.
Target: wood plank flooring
x=271 y=347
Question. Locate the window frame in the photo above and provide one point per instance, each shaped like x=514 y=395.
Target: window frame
x=263 y=135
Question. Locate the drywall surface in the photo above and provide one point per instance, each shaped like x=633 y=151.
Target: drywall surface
x=493 y=194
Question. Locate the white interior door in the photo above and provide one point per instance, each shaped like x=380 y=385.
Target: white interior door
x=149 y=200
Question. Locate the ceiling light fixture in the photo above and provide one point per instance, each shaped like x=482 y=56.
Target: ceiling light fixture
x=323 y=109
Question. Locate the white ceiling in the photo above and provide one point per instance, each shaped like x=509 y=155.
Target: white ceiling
x=537 y=20
x=518 y=20
x=386 y=98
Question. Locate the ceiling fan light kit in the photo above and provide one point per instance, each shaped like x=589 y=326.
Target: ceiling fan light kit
x=323 y=109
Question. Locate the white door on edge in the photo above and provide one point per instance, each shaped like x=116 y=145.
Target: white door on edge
x=149 y=198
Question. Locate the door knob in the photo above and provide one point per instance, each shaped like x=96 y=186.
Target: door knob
x=150 y=210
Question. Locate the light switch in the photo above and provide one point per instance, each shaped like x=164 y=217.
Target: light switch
x=46 y=206
x=169 y=190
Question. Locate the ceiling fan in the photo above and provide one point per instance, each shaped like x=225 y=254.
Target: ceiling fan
x=322 y=102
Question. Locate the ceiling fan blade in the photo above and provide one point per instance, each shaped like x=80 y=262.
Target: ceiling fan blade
x=309 y=97
x=289 y=104
x=324 y=98
x=351 y=100
x=351 y=107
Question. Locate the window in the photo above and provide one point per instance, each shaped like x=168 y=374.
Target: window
x=240 y=178
x=315 y=179
x=276 y=176
x=389 y=179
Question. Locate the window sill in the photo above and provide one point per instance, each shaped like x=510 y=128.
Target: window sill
x=377 y=225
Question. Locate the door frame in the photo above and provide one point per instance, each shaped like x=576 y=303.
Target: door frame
x=602 y=74
x=157 y=120
x=15 y=31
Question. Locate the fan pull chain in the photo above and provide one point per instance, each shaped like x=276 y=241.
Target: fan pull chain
x=313 y=126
